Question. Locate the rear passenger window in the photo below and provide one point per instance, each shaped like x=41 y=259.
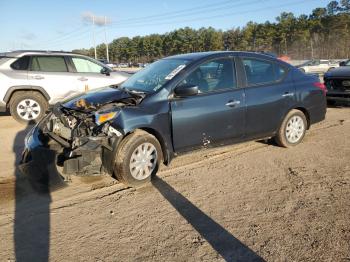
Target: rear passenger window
x=261 y=71
x=21 y=63
x=49 y=64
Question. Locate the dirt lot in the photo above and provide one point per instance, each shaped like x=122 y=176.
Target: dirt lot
x=247 y=202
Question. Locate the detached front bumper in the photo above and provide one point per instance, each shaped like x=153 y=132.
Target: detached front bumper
x=43 y=153
x=39 y=163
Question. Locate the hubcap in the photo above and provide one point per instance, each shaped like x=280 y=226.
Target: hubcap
x=28 y=109
x=295 y=129
x=143 y=161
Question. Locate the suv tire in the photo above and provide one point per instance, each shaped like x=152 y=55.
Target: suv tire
x=137 y=159
x=292 y=130
x=27 y=106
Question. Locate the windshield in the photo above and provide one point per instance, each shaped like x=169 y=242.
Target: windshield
x=154 y=76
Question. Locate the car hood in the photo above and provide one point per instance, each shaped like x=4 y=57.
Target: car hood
x=93 y=100
x=342 y=71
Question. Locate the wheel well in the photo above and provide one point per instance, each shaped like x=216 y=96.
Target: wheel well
x=306 y=113
x=12 y=90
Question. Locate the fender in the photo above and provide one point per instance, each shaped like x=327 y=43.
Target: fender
x=12 y=89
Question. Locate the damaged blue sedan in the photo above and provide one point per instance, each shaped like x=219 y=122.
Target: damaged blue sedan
x=176 y=105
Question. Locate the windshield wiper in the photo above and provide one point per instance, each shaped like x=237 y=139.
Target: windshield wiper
x=134 y=92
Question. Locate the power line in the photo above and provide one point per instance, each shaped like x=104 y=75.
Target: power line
x=212 y=10
x=175 y=12
x=212 y=17
x=65 y=35
x=190 y=14
x=73 y=32
x=165 y=20
x=73 y=39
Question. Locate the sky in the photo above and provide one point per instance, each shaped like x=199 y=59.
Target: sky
x=67 y=24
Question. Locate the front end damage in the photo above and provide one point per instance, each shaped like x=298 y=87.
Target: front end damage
x=83 y=141
x=81 y=133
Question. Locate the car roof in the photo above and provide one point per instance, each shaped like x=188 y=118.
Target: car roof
x=19 y=53
x=200 y=55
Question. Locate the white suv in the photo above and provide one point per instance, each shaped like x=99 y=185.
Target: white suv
x=318 y=66
x=30 y=81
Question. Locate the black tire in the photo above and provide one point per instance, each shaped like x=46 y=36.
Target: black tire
x=122 y=169
x=281 y=137
x=40 y=104
x=302 y=70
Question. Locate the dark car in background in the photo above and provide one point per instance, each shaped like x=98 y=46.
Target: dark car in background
x=337 y=82
x=174 y=105
x=345 y=63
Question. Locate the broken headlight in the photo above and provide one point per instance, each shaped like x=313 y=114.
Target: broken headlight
x=101 y=117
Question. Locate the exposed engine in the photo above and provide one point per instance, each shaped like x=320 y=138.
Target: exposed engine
x=84 y=133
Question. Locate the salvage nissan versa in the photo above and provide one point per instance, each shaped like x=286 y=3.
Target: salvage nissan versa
x=174 y=105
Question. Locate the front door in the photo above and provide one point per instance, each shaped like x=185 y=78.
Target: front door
x=89 y=76
x=216 y=114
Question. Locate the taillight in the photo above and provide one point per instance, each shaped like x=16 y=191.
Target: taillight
x=321 y=86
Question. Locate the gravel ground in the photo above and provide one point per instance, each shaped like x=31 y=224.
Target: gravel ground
x=247 y=202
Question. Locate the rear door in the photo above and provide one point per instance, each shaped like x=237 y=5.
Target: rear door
x=215 y=114
x=51 y=73
x=269 y=95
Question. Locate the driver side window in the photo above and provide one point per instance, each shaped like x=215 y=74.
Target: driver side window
x=213 y=76
x=86 y=66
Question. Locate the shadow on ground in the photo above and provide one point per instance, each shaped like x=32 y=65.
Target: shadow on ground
x=32 y=205
x=223 y=242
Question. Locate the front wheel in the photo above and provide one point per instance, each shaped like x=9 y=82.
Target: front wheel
x=138 y=158
x=27 y=106
x=292 y=130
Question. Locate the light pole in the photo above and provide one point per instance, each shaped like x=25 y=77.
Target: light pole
x=106 y=42
x=93 y=34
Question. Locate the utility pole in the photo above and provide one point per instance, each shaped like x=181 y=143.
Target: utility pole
x=107 y=53
x=93 y=34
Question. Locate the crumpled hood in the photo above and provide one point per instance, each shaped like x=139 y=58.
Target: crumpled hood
x=94 y=99
x=342 y=71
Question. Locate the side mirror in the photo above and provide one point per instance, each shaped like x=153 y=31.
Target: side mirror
x=105 y=71
x=342 y=63
x=186 y=90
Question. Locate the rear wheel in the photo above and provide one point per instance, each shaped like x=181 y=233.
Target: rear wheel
x=27 y=106
x=292 y=130
x=137 y=159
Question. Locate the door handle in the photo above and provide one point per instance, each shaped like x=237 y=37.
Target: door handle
x=288 y=94
x=38 y=77
x=82 y=78
x=233 y=103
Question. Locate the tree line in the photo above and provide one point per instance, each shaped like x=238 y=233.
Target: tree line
x=325 y=33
